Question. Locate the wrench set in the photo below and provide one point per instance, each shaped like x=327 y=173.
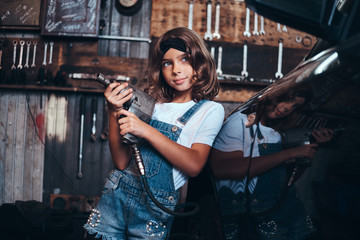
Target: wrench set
x=24 y=57
x=257 y=31
x=28 y=44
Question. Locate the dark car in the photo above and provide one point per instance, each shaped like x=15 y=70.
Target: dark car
x=330 y=187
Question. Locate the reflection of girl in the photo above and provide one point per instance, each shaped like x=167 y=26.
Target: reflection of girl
x=185 y=122
x=277 y=212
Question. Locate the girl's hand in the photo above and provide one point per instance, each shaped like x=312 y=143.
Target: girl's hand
x=304 y=151
x=322 y=134
x=130 y=123
x=116 y=98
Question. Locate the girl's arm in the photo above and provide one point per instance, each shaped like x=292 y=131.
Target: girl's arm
x=189 y=160
x=233 y=165
x=120 y=153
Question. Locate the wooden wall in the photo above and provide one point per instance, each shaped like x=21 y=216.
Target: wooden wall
x=31 y=169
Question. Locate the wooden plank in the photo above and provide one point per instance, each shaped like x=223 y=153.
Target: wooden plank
x=10 y=148
x=29 y=145
x=4 y=99
x=105 y=15
x=39 y=147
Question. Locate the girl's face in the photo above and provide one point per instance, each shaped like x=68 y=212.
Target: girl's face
x=284 y=108
x=178 y=74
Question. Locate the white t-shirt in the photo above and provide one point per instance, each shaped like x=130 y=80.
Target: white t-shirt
x=202 y=127
x=235 y=136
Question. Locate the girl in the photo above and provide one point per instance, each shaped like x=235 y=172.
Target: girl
x=182 y=78
x=274 y=210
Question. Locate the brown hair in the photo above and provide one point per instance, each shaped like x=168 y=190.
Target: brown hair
x=206 y=85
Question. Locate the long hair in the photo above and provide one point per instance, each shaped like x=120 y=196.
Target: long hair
x=286 y=121
x=206 y=84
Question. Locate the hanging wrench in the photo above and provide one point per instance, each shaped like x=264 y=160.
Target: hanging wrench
x=28 y=45
x=212 y=51
x=94 y=110
x=14 y=55
x=22 y=43
x=247 y=24
x=82 y=118
x=284 y=28
x=218 y=70
x=51 y=52
x=34 y=54
x=256 y=32
x=278 y=74
x=216 y=34
x=191 y=11
x=262 y=28
x=45 y=53
x=208 y=35
x=244 y=72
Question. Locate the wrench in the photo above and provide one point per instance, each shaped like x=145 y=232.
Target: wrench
x=262 y=29
x=45 y=53
x=94 y=110
x=284 y=28
x=212 y=51
x=216 y=34
x=34 y=54
x=51 y=52
x=191 y=11
x=28 y=44
x=247 y=26
x=218 y=70
x=278 y=27
x=82 y=117
x=22 y=43
x=14 y=55
x=244 y=72
x=208 y=35
x=278 y=73
x=256 y=32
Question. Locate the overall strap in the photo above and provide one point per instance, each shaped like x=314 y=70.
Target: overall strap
x=189 y=113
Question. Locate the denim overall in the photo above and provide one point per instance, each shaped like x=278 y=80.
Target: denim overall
x=125 y=211
x=275 y=211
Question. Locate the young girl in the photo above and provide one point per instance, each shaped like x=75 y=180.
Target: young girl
x=275 y=211
x=182 y=78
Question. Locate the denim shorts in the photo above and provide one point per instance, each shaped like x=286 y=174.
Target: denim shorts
x=126 y=212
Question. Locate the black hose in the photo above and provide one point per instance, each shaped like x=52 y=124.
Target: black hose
x=139 y=164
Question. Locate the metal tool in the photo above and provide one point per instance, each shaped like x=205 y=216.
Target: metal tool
x=45 y=53
x=278 y=73
x=93 y=110
x=218 y=70
x=190 y=15
x=284 y=28
x=28 y=45
x=278 y=28
x=216 y=34
x=22 y=43
x=208 y=35
x=247 y=24
x=34 y=54
x=244 y=72
x=82 y=119
x=256 y=32
x=262 y=28
x=51 y=52
x=13 y=66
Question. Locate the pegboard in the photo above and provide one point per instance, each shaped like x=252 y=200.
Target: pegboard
x=175 y=13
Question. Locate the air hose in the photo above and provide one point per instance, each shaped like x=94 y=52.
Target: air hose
x=139 y=163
